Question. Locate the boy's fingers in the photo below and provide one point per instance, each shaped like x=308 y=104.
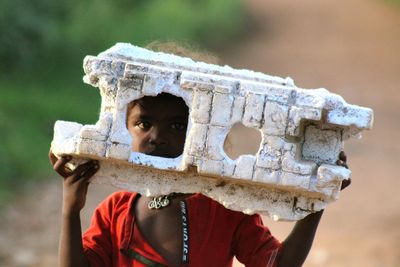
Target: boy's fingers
x=59 y=166
x=342 y=163
x=342 y=156
x=345 y=183
x=84 y=170
x=85 y=176
x=52 y=157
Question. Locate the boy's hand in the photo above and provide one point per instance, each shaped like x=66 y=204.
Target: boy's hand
x=298 y=243
x=75 y=183
x=342 y=161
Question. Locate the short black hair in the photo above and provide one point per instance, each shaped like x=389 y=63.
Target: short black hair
x=163 y=96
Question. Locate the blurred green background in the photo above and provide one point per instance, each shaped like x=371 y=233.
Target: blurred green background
x=42 y=45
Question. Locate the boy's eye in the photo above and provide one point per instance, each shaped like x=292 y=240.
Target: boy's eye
x=178 y=126
x=144 y=125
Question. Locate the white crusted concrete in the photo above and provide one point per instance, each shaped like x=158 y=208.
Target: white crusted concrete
x=293 y=173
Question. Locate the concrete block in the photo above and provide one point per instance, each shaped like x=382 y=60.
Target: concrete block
x=322 y=145
x=299 y=114
x=118 y=151
x=266 y=176
x=221 y=109
x=306 y=98
x=351 y=115
x=65 y=139
x=190 y=81
x=155 y=161
x=134 y=83
x=275 y=118
x=278 y=94
x=270 y=154
x=245 y=167
x=303 y=204
x=253 y=111
x=188 y=162
x=238 y=109
x=214 y=144
x=329 y=180
x=301 y=130
x=201 y=106
x=154 y=84
x=223 y=89
x=128 y=90
x=197 y=139
x=228 y=168
x=100 y=131
x=291 y=162
x=89 y=147
x=297 y=181
x=65 y=130
x=119 y=133
x=211 y=167
x=132 y=70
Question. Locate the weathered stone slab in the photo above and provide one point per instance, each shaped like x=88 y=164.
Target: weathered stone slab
x=292 y=175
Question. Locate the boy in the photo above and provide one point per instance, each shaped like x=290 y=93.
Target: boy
x=128 y=229
x=192 y=230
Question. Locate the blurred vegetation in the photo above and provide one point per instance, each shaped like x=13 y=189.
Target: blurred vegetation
x=42 y=45
x=396 y=2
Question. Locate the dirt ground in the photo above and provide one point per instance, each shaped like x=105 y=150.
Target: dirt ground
x=350 y=47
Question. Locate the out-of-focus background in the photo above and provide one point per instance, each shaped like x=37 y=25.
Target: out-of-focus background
x=350 y=47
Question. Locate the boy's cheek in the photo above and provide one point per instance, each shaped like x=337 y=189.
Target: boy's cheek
x=135 y=147
x=139 y=148
x=137 y=140
x=179 y=145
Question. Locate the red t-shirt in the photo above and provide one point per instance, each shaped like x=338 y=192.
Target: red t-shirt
x=212 y=236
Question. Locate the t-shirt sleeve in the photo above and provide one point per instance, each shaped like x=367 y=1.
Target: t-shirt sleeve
x=97 y=244
x=253 y=245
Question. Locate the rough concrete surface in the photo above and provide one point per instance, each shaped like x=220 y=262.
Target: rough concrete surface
x=293 y=174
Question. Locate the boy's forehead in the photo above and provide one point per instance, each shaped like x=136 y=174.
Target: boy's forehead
x=161 y=105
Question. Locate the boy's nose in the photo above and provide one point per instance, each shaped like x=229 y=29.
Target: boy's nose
x=156 y=137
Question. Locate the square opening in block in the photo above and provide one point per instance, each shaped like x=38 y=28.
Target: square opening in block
x=158 y=125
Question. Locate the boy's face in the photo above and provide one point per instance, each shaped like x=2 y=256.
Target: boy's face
x=158 y=125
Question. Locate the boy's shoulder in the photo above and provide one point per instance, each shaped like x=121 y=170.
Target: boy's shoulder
x=205 y=204
x=121 y=196
x=116 y=201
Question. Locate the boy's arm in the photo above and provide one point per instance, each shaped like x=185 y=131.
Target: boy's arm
x=71 y=248
x=75 y=186
x=298 y=244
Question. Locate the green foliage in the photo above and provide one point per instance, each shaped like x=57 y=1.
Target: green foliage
x=28 y=110
x=28 y=28
x=393 y=3
x=42 y=45
x=199 y=21
x=42 y=30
